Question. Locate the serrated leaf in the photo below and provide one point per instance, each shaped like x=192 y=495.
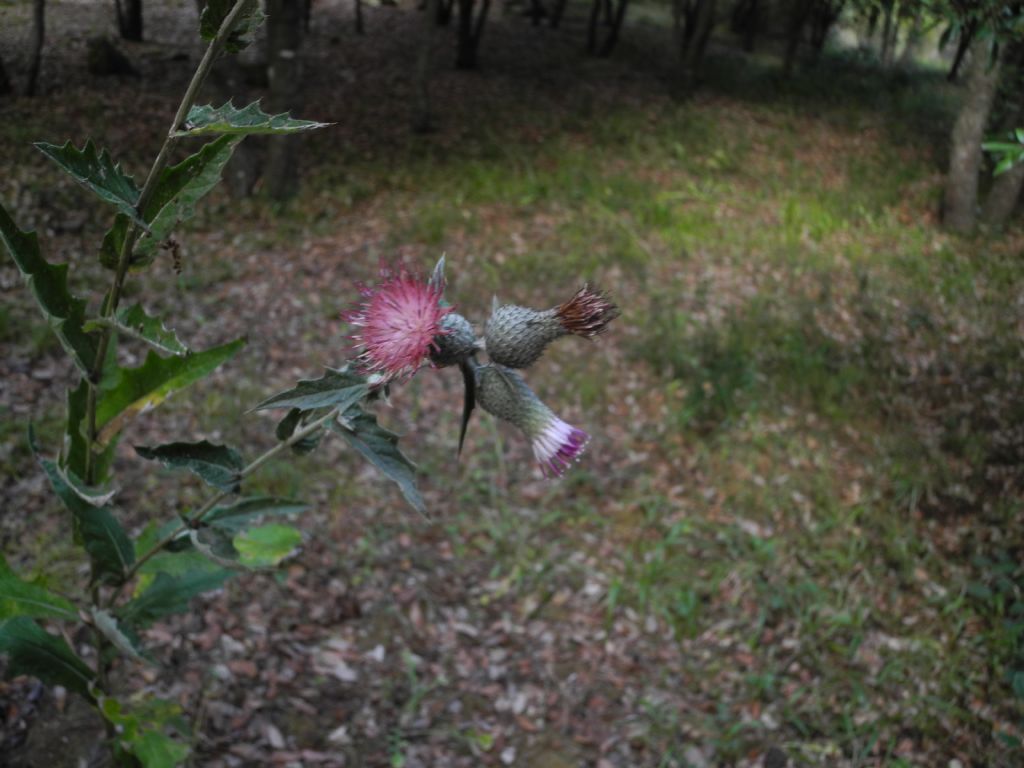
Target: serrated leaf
x=97 y=497
x=31 y=650
x=49 y=285
x=134 y=322
x=287 y=426
x=217 y=465
x=335 y=389
x=73 y=458
x=216 y=545
x=169 y=594
x=379 y=446
x=229 y=119
x=216 y=11
x=242 y=513
x=157 y=750
x=437 y=279
x=98 y=172
x=23 y=598
x=134 y=390
x=110 y=550
x=183 y=561
x=107 y=624
x=113 y=241
x=179 y=189
x=267 y=545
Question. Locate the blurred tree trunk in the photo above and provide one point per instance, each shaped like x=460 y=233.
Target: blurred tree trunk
x=469 y=32
x=797 y=20
x=824 y=14
x=888 y=33
x=963 y=44
x=284 y=70
x=595 y=15
x=423 y=117
x=873 y=15
x=360 y=29
x=129 y=19
x=615 y=27
x=38 y=37
x=960 y=202
x=557 y=13
x=693 y=21
x=744 y=21
x=5 y=81
x=444 y=12
x=912 y=47
x=537 y=12
x=1002 y=198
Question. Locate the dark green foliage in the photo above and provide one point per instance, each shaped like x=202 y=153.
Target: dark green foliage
x=31 y=650
x=379 y=446
x=98 y=172
x=49 y=284
x=239 y=515
x=335 y=389
x=218 y=465
x=170 y=594
x=248 y=120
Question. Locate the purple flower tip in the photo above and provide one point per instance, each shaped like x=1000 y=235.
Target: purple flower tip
x=558 y=445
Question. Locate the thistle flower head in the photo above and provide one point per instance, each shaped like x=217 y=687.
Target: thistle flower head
x=517 y=336
x=556 y=444
x=398 y=321
x=455 y=343
x=587 y=313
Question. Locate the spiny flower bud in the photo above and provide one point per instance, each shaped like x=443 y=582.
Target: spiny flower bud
x=455 y=343
x=517 y=336
x=556 y=444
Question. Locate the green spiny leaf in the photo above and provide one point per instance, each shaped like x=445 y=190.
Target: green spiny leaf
x=267 y=545
x=97 y=172
x=287 y=426
x=230 y=119
x=73 y=459
x=134 y=322
x=23 y=598
x=169 y=594
x=179 y=189
x=379 y=446
x=134 y=390
x=158 y=750
x=243 y=512
x=217 y=465
x=107 y=624
x=113 y=241
x=49 y=284
x=335 y=389
x=31 y=650
x=110 y=550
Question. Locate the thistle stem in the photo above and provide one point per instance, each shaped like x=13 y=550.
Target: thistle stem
x=216 y=499
x=132 y=235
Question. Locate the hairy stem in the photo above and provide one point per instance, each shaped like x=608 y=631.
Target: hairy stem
x=216 y=499
x=133 y=233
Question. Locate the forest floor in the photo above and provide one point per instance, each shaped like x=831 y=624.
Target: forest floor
x=797 y=531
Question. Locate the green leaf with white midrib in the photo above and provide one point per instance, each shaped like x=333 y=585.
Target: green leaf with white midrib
x=237 y=516
x=98 y=172
x=134 y=390
x=133 y=321
x=107 y=624
x=379 y=446
x=169 y=594
x=335 y=389
x=218 y=465
x=229 y=119
x=179 y=189
x=24 y=598
x=31 y=650
x=110 y=550
x=49 y=285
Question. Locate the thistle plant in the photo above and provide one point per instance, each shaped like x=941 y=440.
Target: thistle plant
x=75 y=637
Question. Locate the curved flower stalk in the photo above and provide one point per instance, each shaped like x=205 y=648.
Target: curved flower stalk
x=399 y=320
x=556 y=444
x=517 y=336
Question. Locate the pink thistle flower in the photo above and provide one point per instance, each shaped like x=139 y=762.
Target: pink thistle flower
x=398 y=320
x=556 y=444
